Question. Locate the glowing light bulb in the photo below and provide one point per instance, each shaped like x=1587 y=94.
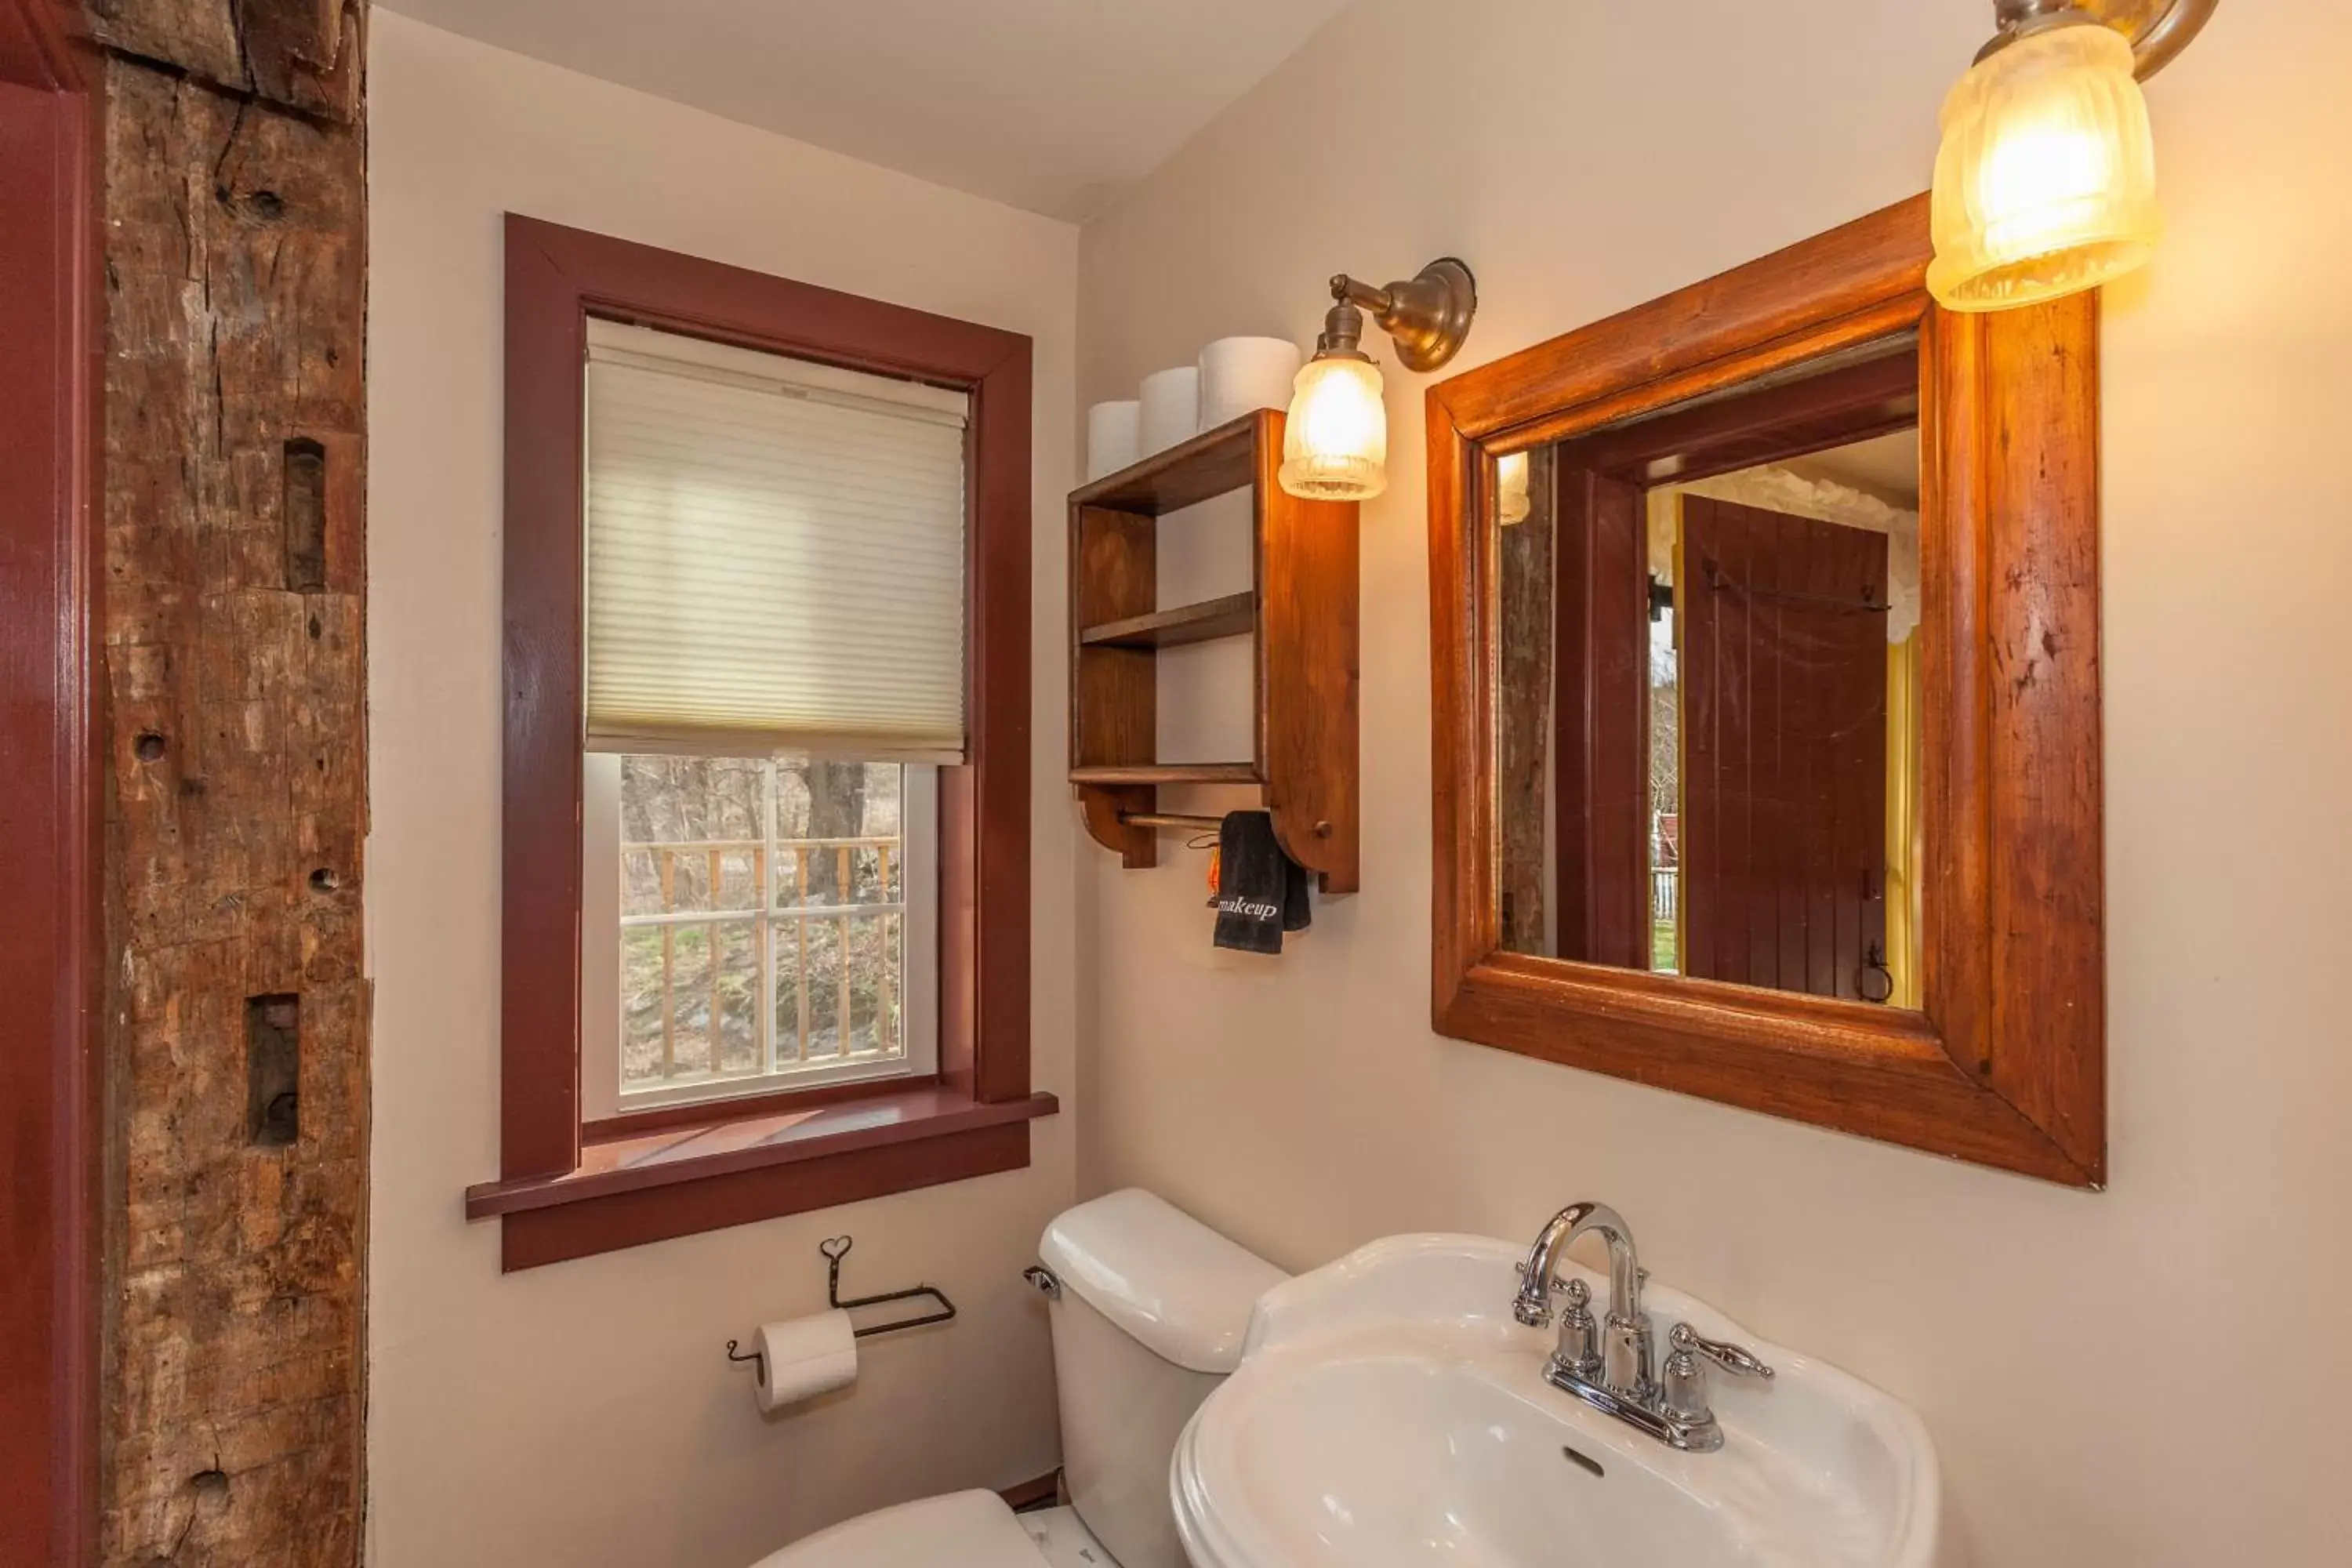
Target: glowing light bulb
x=2045 y=182
x=1335 y=446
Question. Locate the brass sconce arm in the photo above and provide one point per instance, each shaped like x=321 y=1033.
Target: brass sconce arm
x=1428 y=315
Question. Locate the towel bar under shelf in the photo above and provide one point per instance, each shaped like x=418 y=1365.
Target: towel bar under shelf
x=1171 y=819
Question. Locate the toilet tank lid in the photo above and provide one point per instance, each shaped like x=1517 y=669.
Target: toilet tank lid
x=1180 y=1289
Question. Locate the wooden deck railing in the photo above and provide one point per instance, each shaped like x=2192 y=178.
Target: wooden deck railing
x=778 y=906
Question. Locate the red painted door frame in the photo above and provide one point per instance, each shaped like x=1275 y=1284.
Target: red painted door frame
x=49 y=777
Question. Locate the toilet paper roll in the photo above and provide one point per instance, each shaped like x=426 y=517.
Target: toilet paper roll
x=1172 y=407
x=800 y=1357
x=1114 y=437
x=1240 y=375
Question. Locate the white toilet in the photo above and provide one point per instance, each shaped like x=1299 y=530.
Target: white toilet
x=1147 y=1318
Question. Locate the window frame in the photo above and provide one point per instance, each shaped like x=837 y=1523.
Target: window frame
x=567 y=1186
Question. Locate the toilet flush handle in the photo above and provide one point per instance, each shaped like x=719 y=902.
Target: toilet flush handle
x=1038 y=1275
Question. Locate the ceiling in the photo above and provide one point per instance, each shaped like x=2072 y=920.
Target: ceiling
x=1050 y=105
x=1886 y=466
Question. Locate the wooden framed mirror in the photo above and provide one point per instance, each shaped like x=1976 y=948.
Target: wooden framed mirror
x=1766 y=709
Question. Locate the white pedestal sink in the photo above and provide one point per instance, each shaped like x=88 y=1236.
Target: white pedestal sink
x=1390 y=1413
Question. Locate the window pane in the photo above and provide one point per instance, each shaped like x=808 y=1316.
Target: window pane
x=641 y=1008
x=824 y=990
x=793 y=995
x=691 y=800
x=705 y=963
x=836 y=813
x=873 y=986
x=689 y=978
x=738 y=996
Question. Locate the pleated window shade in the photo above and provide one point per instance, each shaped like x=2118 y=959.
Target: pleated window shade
x=775 y=555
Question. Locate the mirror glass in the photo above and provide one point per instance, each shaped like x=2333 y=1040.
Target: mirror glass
x=1708 y=727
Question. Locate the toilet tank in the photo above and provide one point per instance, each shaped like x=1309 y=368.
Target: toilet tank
x=1149 y=1318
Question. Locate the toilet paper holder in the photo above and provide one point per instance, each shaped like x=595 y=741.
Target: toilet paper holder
x=835 y=1248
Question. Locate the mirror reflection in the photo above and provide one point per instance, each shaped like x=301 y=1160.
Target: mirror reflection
x=1707 y=720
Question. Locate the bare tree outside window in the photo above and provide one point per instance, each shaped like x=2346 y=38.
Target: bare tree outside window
x=763 y=914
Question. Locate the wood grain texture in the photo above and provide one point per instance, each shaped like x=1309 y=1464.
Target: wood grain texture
x=1114 y=685
x=1310 y=593
x=1168 y=773
x=51 y=804
x=1211 y=464
x=1303 y=611
x=533 y=1238
x=304 y=55
x=237 y=816
x=1232 y=615
x=2041 y=668
x=2005 y=1065
x=556 y=278
x=674 y=1156
x=1851 y=403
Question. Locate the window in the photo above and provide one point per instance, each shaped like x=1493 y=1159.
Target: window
x=775 y=565
x=766 y=819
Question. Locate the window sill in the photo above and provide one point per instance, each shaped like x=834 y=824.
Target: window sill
x=729 y=1170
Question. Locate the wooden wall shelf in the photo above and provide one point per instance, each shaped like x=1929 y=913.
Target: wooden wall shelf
x=1301 y=614
x=1235 y=615
x=1168 y=772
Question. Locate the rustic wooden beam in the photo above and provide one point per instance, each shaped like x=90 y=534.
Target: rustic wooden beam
x=304 y=55
x=236 y=1019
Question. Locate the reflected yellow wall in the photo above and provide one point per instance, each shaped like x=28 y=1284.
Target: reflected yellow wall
x=1903 y=923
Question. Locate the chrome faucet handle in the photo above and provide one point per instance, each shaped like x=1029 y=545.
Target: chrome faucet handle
x=1683 y=1391
x=1737 y=1360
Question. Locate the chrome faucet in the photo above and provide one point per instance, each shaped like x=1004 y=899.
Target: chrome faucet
x=1610 y=1365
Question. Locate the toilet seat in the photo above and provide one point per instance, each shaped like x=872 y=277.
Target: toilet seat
x=961 y=1529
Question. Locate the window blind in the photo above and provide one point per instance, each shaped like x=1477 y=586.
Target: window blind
x=775 y=555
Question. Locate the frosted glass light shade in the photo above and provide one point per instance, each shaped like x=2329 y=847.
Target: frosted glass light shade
x=2045 y=182
x=1335 y=446
x=1511 y=503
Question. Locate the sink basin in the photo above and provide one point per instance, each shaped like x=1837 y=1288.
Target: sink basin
x=1390 y=1413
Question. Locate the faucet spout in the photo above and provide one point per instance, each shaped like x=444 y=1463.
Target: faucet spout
x=1534 y=1304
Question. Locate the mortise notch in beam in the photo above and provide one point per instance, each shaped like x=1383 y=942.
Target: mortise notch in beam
x=273 y=1063
x=303 y=510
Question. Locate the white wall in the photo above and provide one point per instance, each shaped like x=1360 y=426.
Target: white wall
x=2150 y=1375
x=581 y=1415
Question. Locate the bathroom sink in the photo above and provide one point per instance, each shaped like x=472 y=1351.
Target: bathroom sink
x=1390 y=1413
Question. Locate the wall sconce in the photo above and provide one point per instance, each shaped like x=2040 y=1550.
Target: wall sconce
x=2046 y=181
x=1335 y=446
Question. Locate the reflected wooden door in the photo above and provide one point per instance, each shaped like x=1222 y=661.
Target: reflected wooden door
x=1784 y=750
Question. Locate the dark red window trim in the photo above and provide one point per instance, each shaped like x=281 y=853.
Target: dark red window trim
x=772 y=1157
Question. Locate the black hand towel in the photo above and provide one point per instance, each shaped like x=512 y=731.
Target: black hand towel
x=1261 y=891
